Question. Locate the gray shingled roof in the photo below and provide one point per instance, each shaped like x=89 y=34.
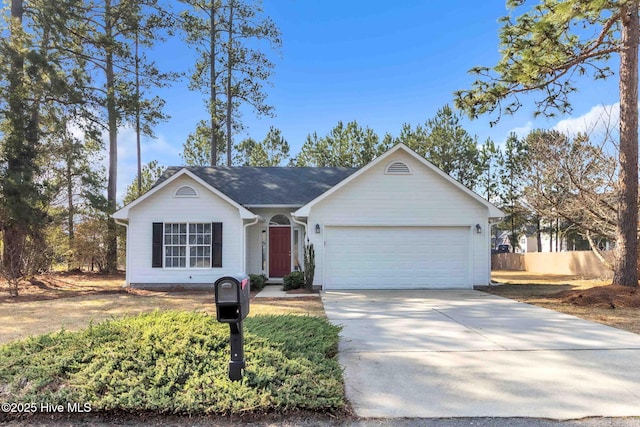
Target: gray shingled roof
x=268 y=185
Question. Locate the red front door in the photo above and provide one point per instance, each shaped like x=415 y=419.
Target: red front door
x=279 y=251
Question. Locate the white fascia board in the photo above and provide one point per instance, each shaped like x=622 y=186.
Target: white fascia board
x=124 y=212
x=272 y=206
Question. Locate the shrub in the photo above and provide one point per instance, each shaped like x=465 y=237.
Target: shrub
x=176 y=362
x=309 y=264
x=257 y=281
x=293 y=280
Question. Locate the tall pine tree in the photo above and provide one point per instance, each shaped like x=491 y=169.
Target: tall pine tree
x=542 y=50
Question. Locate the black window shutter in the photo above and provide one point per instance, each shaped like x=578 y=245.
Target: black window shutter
x=156 y=247
x=216 y=244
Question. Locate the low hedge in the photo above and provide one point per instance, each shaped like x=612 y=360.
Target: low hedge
x=257 y=281
x=293 y=280
x=177 y=362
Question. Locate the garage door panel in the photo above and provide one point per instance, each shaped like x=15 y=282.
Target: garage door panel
x=396 y=257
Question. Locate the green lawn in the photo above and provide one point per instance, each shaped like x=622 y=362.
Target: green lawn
x=176 y=362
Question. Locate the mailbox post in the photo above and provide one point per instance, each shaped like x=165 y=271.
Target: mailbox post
x=232 y=306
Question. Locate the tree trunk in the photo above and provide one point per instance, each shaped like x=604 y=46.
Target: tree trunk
x=13 y=233
x=538 y=236
x=212 y=83
x=70 y=208
x=138 y=148
x=112 y=243
x=597 y=253
x=230 y=61
x=626 y=265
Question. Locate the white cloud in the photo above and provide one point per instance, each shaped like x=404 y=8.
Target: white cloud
x=598 y=120
x=152 y=149
x=522 y=131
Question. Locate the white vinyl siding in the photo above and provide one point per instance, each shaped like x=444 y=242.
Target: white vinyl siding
x=421 y=199
x=162 y=207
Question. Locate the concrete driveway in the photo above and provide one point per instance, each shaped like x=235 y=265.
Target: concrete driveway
x=470 y=354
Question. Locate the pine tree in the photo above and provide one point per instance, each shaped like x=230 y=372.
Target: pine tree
x=229 y=37
x=542 y=50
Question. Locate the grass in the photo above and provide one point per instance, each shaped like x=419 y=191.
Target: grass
x=528 y=278
x=176 y=362
x=84 y=339
x=548 y=291
x=73 y=301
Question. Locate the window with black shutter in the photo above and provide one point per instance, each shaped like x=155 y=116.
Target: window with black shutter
x=187 y=245
x=216 y=244
x=156 y=251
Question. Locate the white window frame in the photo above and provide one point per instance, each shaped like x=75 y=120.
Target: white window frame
x=191 y=243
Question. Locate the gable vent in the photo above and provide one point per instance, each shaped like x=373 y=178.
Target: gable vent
x=186 y=191
x=398 y=168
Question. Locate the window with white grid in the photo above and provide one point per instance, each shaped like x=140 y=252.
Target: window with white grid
x=184 y=242
x=200 y=245
x=175 y=245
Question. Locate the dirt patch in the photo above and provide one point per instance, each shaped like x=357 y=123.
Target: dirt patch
x=64 y=285
x=603 y=296
x=72 y=301
x=302 y=291
x=526 y=277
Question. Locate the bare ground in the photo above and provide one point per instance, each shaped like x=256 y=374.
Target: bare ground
x=72 y=301
x=591 y=299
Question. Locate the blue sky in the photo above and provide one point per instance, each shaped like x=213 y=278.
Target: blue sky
x=378 y=62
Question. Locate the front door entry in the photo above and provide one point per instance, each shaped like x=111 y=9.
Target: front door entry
x=279 y=251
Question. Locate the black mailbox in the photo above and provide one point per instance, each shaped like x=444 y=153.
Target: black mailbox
x=232 y=306
x=232 y=298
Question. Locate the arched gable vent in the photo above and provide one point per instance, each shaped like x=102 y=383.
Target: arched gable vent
x=186 y=191
x=398 y=168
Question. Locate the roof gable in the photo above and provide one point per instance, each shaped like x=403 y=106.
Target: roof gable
x=123 y=213
x=494 y=212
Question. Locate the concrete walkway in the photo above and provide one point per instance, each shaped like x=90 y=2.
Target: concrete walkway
x=275 y=291
x=469 y=354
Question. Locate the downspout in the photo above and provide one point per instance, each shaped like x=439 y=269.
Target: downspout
x=244 y=241
x=303 y=224
x=126 y=270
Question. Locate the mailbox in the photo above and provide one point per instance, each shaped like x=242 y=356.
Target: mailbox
x=232 y=306
x=232 y=298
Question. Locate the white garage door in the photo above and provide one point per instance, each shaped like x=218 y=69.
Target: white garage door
x=396 y=257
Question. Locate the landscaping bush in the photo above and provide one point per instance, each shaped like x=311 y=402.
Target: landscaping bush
x=309 y=265
x=257 y=281
x=177 y=362
x=293 y=280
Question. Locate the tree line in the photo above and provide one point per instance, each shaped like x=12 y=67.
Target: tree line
x=78 y=71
